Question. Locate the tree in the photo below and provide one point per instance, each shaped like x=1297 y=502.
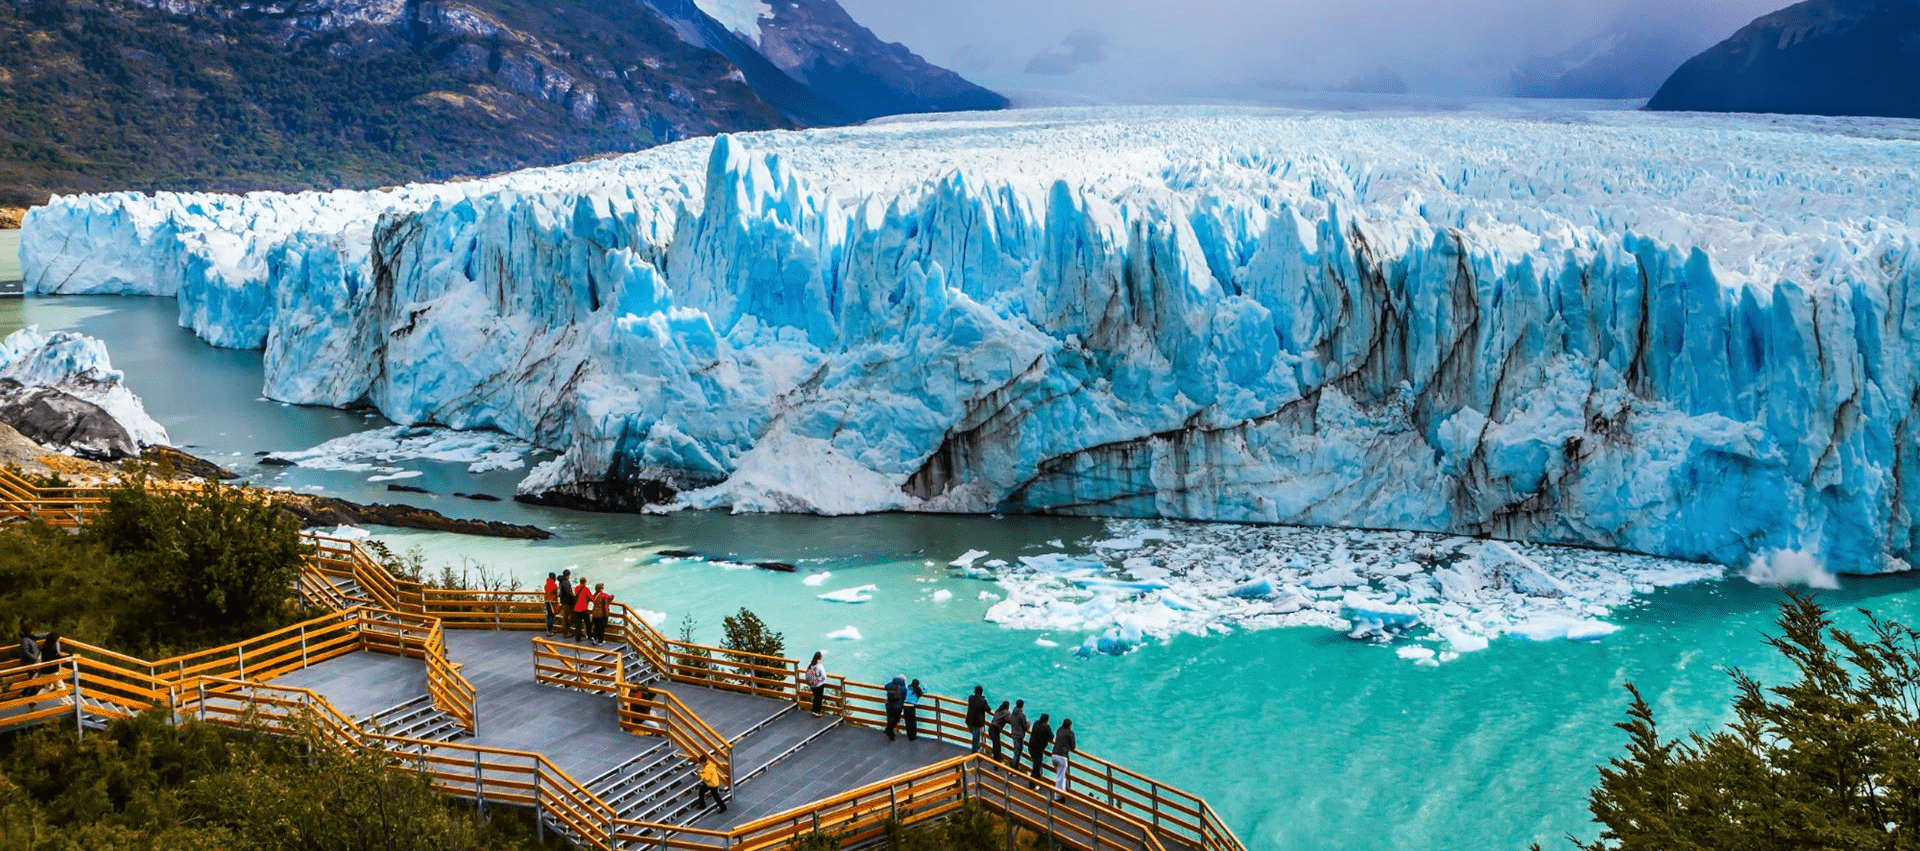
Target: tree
x=1829 y=760
x=214 y=561
x=748 y=633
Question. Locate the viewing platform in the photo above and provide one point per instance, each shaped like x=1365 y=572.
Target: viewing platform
x=602 y=742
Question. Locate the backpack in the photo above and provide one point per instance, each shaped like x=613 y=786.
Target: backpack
x=816 y=677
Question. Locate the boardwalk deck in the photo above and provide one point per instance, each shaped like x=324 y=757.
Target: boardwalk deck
x=580 y=733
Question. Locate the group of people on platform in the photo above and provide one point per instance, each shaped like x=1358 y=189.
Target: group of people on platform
x=35 y=648
x=984 y=724
x=581 y=611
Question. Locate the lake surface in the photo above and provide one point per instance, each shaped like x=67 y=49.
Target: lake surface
x=1301 y=738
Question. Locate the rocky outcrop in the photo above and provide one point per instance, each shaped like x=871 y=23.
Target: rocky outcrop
x=64 y=421
x=1820 y=57
x=315 y=510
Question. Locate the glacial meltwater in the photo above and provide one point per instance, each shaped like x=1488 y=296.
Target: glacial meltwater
x=1301 y=737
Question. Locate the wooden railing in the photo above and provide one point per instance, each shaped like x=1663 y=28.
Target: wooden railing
x=594 y=669
x=697 y=740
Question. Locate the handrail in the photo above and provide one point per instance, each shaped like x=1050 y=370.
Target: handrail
x=696 y=740
x=594 y=669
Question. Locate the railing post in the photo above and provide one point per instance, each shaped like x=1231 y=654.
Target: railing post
x=479 y=788
x=240 y=653
x=539 y=818
x=79 y=718
x=303 y=646
x=496 y=615
x=201 y=709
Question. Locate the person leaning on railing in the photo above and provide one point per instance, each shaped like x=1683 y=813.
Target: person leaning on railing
x=582 y=605
x=1062 y=758
x=602 y=602
x=553 y=600
x=817 y=681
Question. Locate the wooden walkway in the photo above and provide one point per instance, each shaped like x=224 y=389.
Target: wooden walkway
x=579 y=731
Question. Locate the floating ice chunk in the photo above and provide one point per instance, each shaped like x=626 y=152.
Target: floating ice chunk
x=392 y=477
x=481 y=451
x=1550 y=626
x=649 y=617
x=1178 y=603
x=815 y=580
x=851 y=595
x=1061 y=563
x=1345 y=575
x=989 y=595
x=1459 y=639
x=349 y=533
x=1518 y=572
x=1253 y=589
x=1790 y=567
x=1134 y=541
x=967 y=558
x=1112 y=584
x=1420 y=655
x=942 y=595
x=1374 y=617
x=845 y=633
x=1041 y=642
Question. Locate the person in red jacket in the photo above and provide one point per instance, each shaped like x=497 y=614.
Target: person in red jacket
x=582 y=605
x=602 y=602
x=553 y=600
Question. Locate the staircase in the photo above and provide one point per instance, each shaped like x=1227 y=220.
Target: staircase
x=415 y=719
x=659 y=785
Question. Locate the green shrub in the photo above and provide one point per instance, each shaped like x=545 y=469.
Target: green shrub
x=748 y=633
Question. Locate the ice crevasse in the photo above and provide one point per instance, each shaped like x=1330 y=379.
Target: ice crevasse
x=1680 y=336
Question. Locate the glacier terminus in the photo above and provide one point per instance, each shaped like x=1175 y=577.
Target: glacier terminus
x=1573 y=327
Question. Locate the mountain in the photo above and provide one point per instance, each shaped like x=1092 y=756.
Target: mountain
x=1629 y=60
x=293 y=94
x=818 y=44
x=1537 y=329
x=1821 y=57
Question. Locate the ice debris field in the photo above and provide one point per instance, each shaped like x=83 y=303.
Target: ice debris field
x=381 y=451
x=1434 y=596
x=1654 y=333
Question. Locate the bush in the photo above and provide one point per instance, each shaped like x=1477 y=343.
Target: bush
x=1830 y=760
x=210 y=564
x=142 y=784
x=748 y=633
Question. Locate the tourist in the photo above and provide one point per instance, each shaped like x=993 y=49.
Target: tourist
x=582 y=605
x=640 y=709
x=30 y=654
x=896 y=700
x=817 y=681
x=710 y=784
x=566 y=601
x=1017 y=724
x=1037 y=743
x=977 y=709
x=998 y=727
x=553 y=600
x=602 y=603
x=1062 y=758
x=911 y=705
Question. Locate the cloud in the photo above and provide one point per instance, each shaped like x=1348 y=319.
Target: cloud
x=1156 y=51
x=1081 y=47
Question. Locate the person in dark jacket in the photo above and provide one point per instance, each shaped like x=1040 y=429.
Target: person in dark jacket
x=1037 y=743
x=977 y=710
x=30 y=654
x=896 y=700
x=1017 y=724
x=997 y=728
x=566 y=602
x=1062 y=758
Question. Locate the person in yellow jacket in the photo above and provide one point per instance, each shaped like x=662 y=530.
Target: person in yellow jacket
x=710 y=784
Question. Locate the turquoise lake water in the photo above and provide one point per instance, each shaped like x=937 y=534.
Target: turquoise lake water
x=1301 y=738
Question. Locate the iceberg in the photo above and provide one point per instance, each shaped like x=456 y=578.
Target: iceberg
x=78 y=365
x=861 y=594
x=1676 y=335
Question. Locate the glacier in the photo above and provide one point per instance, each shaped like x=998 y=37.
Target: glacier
x=1676 y=335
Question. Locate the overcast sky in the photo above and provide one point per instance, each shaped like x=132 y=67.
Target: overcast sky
x=1172 y=50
